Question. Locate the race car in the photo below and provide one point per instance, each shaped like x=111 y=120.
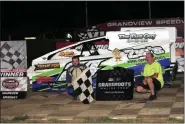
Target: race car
x=126 y=49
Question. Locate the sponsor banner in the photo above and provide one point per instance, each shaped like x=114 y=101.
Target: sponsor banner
x=180 y=54
x=141 y=23
x=101 y=29
x=13 y=83
x=180 y=47
x=13 y=70
x=113 y=87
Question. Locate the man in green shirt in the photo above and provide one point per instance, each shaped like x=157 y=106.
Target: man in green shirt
x=153 y=77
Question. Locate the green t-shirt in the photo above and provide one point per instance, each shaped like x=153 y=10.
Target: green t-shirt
x=155 y=67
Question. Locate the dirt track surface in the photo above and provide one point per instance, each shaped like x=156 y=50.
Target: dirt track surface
x=59 y=106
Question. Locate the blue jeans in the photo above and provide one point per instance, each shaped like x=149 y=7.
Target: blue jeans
x=71 y=91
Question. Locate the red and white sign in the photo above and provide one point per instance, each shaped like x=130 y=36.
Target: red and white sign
x=100 y=29
x=141 y=23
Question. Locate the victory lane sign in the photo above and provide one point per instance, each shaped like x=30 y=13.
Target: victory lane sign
x=13 y=84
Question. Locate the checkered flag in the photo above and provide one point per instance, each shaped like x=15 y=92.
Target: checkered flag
x=94 y=28
x=83 y=87
x=89 y=34
x=83 y=36
x=11 y=56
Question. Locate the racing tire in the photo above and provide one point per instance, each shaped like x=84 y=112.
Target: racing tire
x=29 y=86
x=167 y=86
x=174 y=72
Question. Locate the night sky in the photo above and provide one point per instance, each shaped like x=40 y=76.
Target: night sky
x=41 y=16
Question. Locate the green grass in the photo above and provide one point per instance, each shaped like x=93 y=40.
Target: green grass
x=15 y=119
x=101 y=120
x=109 y=120
x=174 y=120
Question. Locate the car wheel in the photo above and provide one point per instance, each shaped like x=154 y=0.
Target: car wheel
x=174 y=72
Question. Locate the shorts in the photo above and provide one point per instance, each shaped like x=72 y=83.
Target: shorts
x=157 y=85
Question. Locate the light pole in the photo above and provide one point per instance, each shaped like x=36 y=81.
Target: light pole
x=86 y=14
x=149 y=10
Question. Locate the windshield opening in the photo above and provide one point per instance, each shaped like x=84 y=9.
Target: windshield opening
x=91 y=48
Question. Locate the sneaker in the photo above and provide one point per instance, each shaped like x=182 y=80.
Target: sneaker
x=156 y=93
x=152 y=97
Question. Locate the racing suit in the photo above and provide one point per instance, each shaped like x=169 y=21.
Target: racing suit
x=72 y=73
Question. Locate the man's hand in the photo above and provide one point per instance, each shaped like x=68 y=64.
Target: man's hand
x=69 y=84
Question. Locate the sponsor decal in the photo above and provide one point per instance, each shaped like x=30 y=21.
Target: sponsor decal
x=67 y=54
x=116 y=54
x=99 y=46
x=44 y=79
x=137 y=38
x=143 y=61
x=179 y=52
x=10 y=83
x=114 y=85
x=137 y=53
x=103 y=46
x=179 y=48
x=179 y=45
x=47 y=66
